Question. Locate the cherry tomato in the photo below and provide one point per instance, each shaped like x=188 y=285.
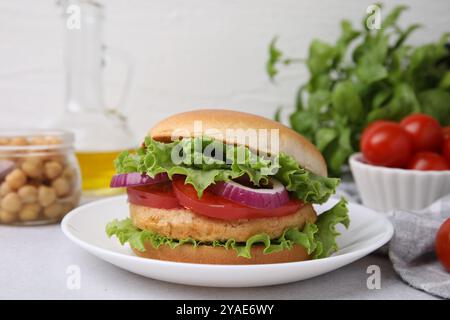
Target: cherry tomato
x=214 y=206
x=442 y=244
x=446 y=150
x=425 y=131
x=428 y=161
x=374 y=125
x=446 y=132
x=386 y=143
x=159 y=195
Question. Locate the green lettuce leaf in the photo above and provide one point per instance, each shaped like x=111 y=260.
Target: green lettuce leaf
x=318 y=239
x=125 y=231
x=200 y=169
x=204 y=168
x=327 y=234
x=305 y=185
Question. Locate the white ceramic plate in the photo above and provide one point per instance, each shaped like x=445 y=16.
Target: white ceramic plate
x=85 y=226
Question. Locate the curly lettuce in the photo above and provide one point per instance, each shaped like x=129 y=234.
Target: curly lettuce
x=203 y=168
x=319 y=239
x=327 y=233
x=305 y=185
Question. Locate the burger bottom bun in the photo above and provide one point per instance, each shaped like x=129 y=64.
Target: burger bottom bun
x=219 y=255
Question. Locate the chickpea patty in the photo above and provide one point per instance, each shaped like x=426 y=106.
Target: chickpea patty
x=183 y=223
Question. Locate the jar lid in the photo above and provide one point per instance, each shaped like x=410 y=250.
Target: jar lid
x=35 y=140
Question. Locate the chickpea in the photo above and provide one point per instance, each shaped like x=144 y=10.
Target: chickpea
x=69 y=173
x=52 y=169
x=38 y=140
x=11 y=202
x=66 y=207
x=18 y=141
x=54 y=210
x=7 y=217
x=33 y=167
x=58 y=158
x=52 y=140
x=4 y=189
x=46 y=195
x=28 y=193
x=61 y=186
x=29 y=212
x=16 y=179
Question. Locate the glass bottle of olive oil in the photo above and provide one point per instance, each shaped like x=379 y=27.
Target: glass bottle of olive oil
x=101 y=131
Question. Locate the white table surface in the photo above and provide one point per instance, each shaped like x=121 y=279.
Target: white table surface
x=34 y=261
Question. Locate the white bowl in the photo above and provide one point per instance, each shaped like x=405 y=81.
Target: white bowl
x=385 y=189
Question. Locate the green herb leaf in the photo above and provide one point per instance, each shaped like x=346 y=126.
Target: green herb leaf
x=385 y=79
x=436 y=102
x=321 y=57
x=392 y=17
x=346 y=101
x=274 y=58
x=369 y=73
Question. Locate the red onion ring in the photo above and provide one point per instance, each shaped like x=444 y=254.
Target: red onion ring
x=136 y=179
x=255 y=198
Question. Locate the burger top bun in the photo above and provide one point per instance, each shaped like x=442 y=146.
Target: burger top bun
x=215 y=123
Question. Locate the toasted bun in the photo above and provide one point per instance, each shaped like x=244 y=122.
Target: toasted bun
x=183 y=223
x=291 y=143
x=219 y=255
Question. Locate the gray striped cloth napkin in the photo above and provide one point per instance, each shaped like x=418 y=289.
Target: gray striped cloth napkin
x=411 y=249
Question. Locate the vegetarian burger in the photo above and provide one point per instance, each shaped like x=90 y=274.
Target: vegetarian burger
x=226 y=187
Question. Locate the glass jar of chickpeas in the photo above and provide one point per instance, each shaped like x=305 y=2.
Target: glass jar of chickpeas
x=39 y=176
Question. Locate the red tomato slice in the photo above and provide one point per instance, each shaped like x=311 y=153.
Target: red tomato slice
x=159 y=195
x=214 y=206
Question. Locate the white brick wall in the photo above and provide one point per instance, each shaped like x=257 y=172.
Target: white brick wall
x=187 y=54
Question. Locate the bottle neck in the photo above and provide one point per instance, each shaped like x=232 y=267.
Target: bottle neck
x=83 y=21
